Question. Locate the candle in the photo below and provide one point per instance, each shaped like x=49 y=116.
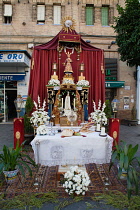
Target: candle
x=103 y=131
x=62 y=102
x=98 y=127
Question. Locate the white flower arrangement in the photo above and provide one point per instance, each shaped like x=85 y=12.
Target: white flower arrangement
x=54 y=82
x=83 y=83
x=99 y=116
x=40 y=116
x=68 y=81
x=76 y=181
x=42 y=130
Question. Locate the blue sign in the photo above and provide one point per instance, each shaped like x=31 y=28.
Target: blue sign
x=12 y=77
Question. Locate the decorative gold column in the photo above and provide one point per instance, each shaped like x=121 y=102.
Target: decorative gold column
x=54 y=68
x=81 y=69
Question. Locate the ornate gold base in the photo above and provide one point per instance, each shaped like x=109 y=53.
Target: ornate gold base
x=81 y=78
x=54 y=77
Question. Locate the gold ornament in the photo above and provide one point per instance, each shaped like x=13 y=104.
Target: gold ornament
x=68 y=24
x=115 y=134
x=18 y=135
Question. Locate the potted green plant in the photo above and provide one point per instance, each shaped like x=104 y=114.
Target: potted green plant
x=14 y=160
x=107 y=109
x=29 y=105
x=125 y=156
x=28 y=128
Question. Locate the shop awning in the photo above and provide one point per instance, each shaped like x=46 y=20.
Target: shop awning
x=12 y=76
x=114 y=84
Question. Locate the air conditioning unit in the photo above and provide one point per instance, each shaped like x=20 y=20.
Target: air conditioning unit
x=30 y=45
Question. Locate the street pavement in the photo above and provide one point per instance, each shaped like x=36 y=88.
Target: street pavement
x=131 y=135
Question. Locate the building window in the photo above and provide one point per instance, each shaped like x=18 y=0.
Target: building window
x=7 y=13
x=89 y=14
x=40 y=14
x=57 y=14
x=105 y=15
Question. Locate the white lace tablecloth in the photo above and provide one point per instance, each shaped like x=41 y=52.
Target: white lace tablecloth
x=54 y=150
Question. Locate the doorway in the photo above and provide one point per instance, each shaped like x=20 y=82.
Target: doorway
x=11 y=95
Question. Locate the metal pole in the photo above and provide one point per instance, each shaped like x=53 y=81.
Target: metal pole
x=4 y=120
x=138 y=95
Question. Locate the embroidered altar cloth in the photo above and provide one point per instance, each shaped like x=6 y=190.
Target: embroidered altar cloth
x=55 y=150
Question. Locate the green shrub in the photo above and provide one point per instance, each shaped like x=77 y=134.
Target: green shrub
x=28 y=128
x=29 y=105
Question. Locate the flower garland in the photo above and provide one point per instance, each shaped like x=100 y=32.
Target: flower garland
x=76 y=181
x=54 y=82
x=83 y=83
x=99 y=116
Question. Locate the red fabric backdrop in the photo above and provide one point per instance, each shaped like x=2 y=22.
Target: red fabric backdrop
x=41 y=69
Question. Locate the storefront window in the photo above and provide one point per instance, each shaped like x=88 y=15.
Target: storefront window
x=8 y=93
x=11 y=84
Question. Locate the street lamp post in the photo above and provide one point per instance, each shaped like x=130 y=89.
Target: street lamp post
x=115 y=105
x=18 y=104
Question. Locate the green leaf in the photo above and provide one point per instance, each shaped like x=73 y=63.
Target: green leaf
x=121 y=160
x=125 y=149
x=135 y=177
x=125 y=162
x=119 y=172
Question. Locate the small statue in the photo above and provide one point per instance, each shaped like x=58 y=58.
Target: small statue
x=68 y=67
x=67 y=107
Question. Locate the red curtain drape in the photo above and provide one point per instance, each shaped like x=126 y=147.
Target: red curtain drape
x=41 y=69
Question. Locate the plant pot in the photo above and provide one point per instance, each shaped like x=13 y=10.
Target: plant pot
x=10 y=176
x=124 y=173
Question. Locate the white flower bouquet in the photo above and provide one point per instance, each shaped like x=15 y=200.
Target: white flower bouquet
x=39 y=117
x=42 y=130
x=83 y=83
x=54 y=82
x=76 y=181
x=99 y=116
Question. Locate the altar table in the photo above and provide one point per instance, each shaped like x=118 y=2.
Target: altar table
x=55 y=150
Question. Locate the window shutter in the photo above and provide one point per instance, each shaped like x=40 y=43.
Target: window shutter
x=111 y=15
x=105 y=16
x=56 y=14
x=89 y=15
x=8 y=10
x=40 y=12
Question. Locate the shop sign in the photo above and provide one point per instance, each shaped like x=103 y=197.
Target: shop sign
x=14 y=58
x=12 y=77
x=114 y=84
